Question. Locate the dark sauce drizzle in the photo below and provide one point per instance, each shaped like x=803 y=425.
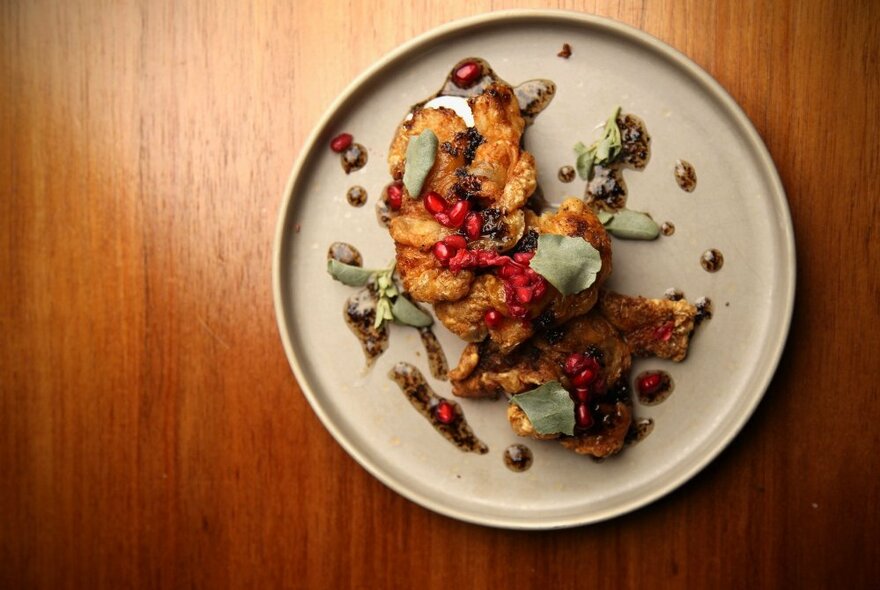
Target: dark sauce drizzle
x=607 y=188
x=357 y=196
x=353 y=158
x=685 y=175
x=705 y=309
x=345 y=253
x=712 y=260
x=360 y=315
x=413 y=385
x=639 y=431
x=518 y=458
x=436 y=357
x=654 y=395
x=673 y=294
x=565 y=174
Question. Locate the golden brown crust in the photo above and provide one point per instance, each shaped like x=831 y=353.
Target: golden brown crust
x=651 y=327
x=425 y=280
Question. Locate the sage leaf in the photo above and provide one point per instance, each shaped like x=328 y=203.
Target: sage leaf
x=584 y=165
x=383 y=312
x=569 y=264
x=347 y=274
x=603 y=151
x=549 y=408
x=604 y=216
x=420 y=155
x=632 y=225
x=406 y=312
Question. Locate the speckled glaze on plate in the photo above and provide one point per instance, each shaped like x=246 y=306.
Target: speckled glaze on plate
x=738 y=207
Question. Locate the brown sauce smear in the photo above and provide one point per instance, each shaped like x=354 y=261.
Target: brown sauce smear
x=354 y=158
x=712 y=260
x=667 y=228
x=639 y=431
x=518 y=458
x=607 y=187
x=566 y=174
x=360 y=315
x=673 y=294
x=345 y=253
x=654 y=395
x=705 y=309
x=685 y=175
x=436 y=357
x=357 y=196
x=413 y=385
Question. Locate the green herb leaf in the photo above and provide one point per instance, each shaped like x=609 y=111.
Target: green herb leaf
x=353 y=276
x=570 y=264
x=632 y=225
x=584 y=165
x=549 y=408
x=420 y=155
x=407 y=313
x=383 y=312
x=603 y=151
x=604 y=216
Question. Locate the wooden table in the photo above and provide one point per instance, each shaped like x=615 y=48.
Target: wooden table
x=151 y=431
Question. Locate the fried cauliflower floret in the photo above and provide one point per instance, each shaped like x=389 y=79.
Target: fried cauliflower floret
x=425 y=280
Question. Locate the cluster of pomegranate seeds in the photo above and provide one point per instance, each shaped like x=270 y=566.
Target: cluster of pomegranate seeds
x=582 y=369
x=341 y=142
x=394 y=194
x=467 y=74
x=445 y=412
x=446 y=215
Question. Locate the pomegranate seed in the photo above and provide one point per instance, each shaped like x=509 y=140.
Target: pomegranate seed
x=473 y=225
x=442 y=219
x=466 y=74
x=581 y=394
x=458 y=212
x=520 y=281
x=516 y=310
x=455 y=241
x=582 y=416
x=523 y=257
x=583 y=378
x=509 y=271
x=486 y=257
x=462 y=259
x=523 y=295
x=650 y=383
x=434 y=203
x=394 y=196
x=341 y=142
x=664 y=332
x=442 y=252
x=445 y=412
x=575 y=363
x=493 y=318
x=540 y=287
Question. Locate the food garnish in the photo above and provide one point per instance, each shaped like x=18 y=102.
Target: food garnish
x=391 y=306
x=602 y=152
x=549 y=408
x=420 y=155
x=569 y=264
x=629 y=225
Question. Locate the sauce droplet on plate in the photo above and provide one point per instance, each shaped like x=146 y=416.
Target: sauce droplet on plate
x=685 y=175
x=712 y=260
x=518 y=458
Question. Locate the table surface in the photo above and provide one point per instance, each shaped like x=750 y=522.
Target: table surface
x=151 y=431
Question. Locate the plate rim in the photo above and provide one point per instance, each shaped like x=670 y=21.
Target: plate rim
x=710 y=84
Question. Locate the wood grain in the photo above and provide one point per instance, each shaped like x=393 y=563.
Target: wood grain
x=151 y=432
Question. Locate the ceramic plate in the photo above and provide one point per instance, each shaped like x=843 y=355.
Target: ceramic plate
x=738 y=207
